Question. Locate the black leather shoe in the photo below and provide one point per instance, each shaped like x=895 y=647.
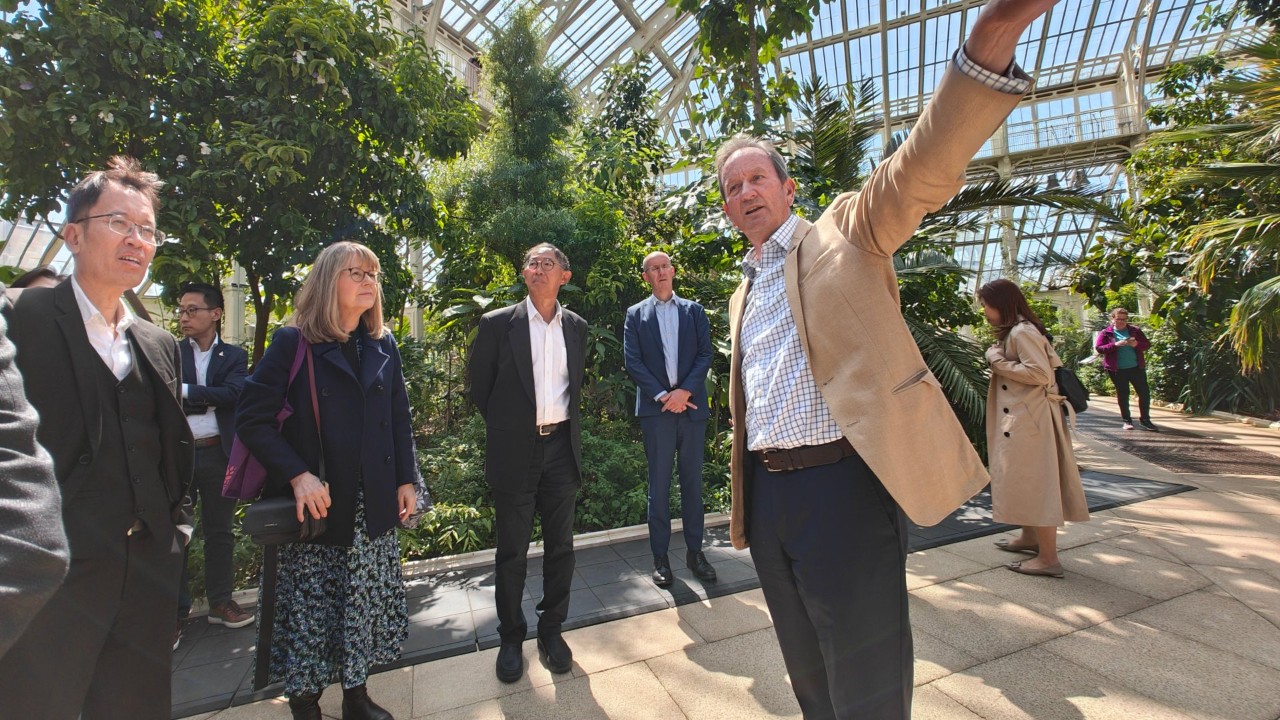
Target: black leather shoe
x=701 y=568
x=305 y=707
x=357 y=705
x=510 y=662
x=662 y=576
x=555 y=653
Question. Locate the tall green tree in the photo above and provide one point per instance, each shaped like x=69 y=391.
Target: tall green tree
x=740 y=40
x=280 y=126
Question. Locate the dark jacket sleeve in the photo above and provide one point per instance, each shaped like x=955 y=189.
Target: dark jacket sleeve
x=33 y=543
x=633 y=358
x=263 y=396
x=696 y=381
x=401 y=420
x=482 y=365
x=227 y=392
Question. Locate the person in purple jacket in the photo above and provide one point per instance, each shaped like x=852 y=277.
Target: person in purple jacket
x=1122 y=346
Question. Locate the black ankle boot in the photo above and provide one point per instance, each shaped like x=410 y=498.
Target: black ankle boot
x=305 y=707
x=356 y=705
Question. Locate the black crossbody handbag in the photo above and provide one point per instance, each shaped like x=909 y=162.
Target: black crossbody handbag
x=274 y=521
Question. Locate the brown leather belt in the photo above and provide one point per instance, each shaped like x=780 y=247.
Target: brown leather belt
x=208 y=442
x=551 y=428
x=805 y=456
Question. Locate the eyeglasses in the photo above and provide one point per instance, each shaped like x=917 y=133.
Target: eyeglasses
x=121 y=225
x=544 y=264
x=659 y=268
x=359 y=275
x=190 y=310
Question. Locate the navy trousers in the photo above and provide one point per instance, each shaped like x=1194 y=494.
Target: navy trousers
x=830 y=546
x=666 y=437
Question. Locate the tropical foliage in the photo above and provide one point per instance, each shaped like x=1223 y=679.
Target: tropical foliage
x=280 y=126
x=1201 y=238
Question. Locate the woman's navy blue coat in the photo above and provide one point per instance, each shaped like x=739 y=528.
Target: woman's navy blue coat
x=367 y=433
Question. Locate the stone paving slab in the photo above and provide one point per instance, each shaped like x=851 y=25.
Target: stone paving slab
x=453 y=612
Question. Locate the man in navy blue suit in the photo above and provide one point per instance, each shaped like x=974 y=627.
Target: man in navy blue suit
x=214 y=372
x=666 y=343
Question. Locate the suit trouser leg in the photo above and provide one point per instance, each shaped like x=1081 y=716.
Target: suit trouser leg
x=829 y=545
x=557 y=499
x=216 y=516
x=660 y=450
x=133 y=675
x=47 y=672
x=690 y=444
x=550 y=479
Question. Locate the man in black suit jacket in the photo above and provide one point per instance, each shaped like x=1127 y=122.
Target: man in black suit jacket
x=106 y=386
x=33 y=545
x=214 y=373
x=527 y=363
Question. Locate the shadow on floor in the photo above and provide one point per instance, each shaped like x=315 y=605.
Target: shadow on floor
x=452 y=613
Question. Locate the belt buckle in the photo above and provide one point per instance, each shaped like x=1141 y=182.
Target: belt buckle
x=767 y=457
x=545 y=430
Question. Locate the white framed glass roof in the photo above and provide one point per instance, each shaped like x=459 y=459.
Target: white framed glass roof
x=1093 y=61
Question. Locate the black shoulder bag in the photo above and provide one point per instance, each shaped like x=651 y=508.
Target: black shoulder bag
x=1070 y=387
x=274 y=522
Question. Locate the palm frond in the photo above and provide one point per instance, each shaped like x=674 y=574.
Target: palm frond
x=1209 y=243
x=1254 y=321
x=1017 y=193
x=1248 y=174
x=831 y=143
x=959 y=365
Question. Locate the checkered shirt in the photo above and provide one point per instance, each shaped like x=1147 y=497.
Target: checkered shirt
x=784 y=407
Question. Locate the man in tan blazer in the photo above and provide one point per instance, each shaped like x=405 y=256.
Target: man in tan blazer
x=839 y=426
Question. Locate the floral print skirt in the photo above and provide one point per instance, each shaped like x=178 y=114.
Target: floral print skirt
x=339 y=610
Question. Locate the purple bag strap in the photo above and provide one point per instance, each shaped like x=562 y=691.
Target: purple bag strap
x=304 y=349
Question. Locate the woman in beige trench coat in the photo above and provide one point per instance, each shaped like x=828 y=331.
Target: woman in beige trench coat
x=1034 y=479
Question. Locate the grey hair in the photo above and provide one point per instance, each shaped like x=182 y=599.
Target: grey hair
x=561 y=259
x=743 y=141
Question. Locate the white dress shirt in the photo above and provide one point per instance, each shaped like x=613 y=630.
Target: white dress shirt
x=205 y=424
x=668 y=314
x=550 y=365
x=111 y=343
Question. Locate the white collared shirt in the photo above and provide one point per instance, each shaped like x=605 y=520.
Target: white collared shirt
x=784 y=406
x=550 y=365
x=111 y=343
x=205 y=424
x=668 y=314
